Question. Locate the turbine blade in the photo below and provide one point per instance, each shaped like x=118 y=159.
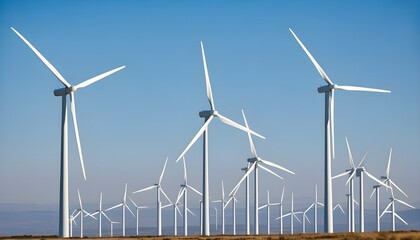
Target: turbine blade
x=125 y=193
x=276 y=166
x=238 y=126
x=332 y=124
x=399 y=189
x=106 y=216
x=185 y=170
x=372 y=192
x=318 y=67
x=341 y=208
x=176 y=207
x=243 y=177
x=181 y=192
x=350 y=155
x=340 y=175
x=118 y=205
x=163 y=171
x=129 y=210
x=166 y=196
x=135 y=205
x=307 y=218
x=76 y=132
x=402 y=202
x=195 y=190
x=190 y=211
x=375 y=179
x=263 y=206
x=402 y=220
x=313 y=204
x=268 y=170
x=80 y=199
x=202 y=129
x=294 y=215
x=364 y=89
x=208 y=86
x=389 y=164
x=100 y=202
x=145 y=189
x=386 y=209
x=251 y=143
x=364 y=156
x=44 y=60
x=223 y=192
x=282 y=195
x=97 y=78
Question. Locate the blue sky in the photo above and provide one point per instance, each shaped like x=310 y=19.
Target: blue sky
x=132 y=120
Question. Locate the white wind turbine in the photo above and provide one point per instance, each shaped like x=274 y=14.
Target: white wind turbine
x=329 y=132
x=159 y=190
x=388 y=181
x=268 y=205
x=208 y=117
x=184 y=193
x=137 y=214
x=81 y=212
x=257 y=163
x=112 y=227
x=176 y=210
x=72 y=220
x=392 y=211
x=305 y=218
x=101 y=212
x=123 y=206
x=358 y=171
x=234 y=201
x=292 y=215
x=223 y=206
x=280 y=218
x=63 y=92
x=350 y=195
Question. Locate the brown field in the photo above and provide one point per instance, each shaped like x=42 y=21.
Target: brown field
x=402 y=235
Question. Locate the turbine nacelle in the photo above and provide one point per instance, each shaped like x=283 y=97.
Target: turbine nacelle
x=254 y=159
x=327 y=88
x=65 y=91
x=208 y=113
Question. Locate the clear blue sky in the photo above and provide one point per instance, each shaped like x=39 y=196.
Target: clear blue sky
x=132 y=120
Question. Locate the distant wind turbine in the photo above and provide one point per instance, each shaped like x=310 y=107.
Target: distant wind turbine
x=257 y=163
x=292 y=215
x=101 y=212
x=159 y=190
x=268 y=205
x=223 y=205
x=81 y=212
x=137 y=214
x=208 y=117
x=123 y=206
x=329 y=132
x=63 y=92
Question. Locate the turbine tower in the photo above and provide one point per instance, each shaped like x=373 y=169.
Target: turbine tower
x=329 y=132
x=208 y=117
x=223 y=206
x=257 y=163
x=159 y=190
x=63 y=92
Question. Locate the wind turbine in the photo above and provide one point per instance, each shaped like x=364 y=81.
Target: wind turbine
x=392 y=211
x=305 y=218
x=208 y=117
x=100 y=212
x=112 y=227
x=268 y=205
x=184 y=193
x=72 y=220
x=350 y=195
x=63 y=92
x=137 y=214
x=159 y=190
x=223 y=202
x=281 y=211
x=234 y=201
x=338 y=206
x=81 y=212
x=388 y=181
x=329 y=132
x=257 y=163
x=176 y=210
x=123 y=206
x=292 y=215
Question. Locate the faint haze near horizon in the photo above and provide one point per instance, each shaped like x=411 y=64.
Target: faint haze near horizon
x=132 y=120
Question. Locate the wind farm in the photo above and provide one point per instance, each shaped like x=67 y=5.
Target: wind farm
x=324 y=165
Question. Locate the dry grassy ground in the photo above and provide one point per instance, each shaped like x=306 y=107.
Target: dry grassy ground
x=400 y=235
